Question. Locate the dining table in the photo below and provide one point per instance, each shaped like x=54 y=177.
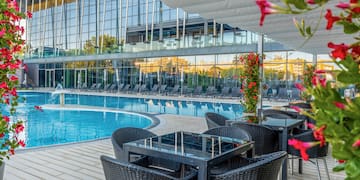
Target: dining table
x=198 y=150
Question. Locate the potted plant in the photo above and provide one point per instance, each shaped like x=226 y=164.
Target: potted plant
x=250 y=85
x=11 y=44
x=337 y=118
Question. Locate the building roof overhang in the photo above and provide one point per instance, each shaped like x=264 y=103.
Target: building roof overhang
x=245 y=14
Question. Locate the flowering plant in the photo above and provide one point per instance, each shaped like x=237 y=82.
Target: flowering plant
x=250 y=85
x=10 y=44
x=337 y=118
x=308 y=74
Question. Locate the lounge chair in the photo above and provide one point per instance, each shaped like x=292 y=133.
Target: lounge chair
x=155 y=89
x=197 y=90
x=126 y=88
x=143 y=88
x=211 y=90
x=225 y=91
x=163 y=89
x=235 y=92
x=136 y=88
x=175 y=90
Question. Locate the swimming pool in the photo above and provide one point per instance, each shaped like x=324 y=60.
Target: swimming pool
x=65 y=126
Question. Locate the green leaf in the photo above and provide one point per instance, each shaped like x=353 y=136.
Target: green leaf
x=352 y=168
x=348 y=77
x=349 y=28
x=308 y=30
x=339 y=167
x=300 y=4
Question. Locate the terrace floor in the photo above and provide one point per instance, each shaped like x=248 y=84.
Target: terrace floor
x=81 y=160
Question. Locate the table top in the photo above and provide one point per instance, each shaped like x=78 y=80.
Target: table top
x=198 y=146
x=280 y=124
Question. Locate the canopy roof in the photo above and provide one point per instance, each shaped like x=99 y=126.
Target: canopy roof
x=245 y=14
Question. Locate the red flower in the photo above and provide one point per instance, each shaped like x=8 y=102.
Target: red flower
x=19 y=128
x=299 y=86
x=319 y=135
x=341 y=161
x=331 y=19
x=320 y=71
x=21 y=143
x=339 y=105
x=13 y=78
x=296 y=108
x=29 y=14
x=2 y=135
x=3 y=85
x=311 y=2
x=12 y=151
x=310 y=125
x=265 y=9
x=343 y=5
x=39 y=108
x=355 y=52
x=6 y=118
x=356 y=143
x=13 y=92
x=302 y=147
x=2 y=32
x=339 y=51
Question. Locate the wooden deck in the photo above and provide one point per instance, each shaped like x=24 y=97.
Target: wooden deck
x=81 y=160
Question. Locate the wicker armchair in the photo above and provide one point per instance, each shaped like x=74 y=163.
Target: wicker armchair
x=232 y=132
x=215 y=120
x=124 y=135
x=115 y=170
x=259 y=168
x=315 y=152
x=274 y=113
x=266 y=140
x=128 y=134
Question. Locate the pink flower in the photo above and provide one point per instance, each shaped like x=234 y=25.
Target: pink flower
x=302 y=147
x=296 y=108
x=356 y=143
x=339 y=51
x=265 y=9
x=331 y=19
x=12 y=151
x=343 y=5
x=310 y=2
x=29 y=14
x=310 y=125
x=13 y=92
x=299 y=86
x=2 y=32
x=3 y=85
x=339 y=105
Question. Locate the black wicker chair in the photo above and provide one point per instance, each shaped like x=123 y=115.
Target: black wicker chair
x=215 y=120
x=116 y=170
x=128 y=134
x=274 y=113
x=259 y=168
x=315 y=152
x=228 y=131
x=124 y=135
x=266 y=140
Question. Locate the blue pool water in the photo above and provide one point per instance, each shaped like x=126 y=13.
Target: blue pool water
x=64 y=126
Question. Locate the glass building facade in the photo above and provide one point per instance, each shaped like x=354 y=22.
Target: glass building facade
x=79 y=43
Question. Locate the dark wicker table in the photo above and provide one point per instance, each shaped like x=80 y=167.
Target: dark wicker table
x=198 y=150
x=283 y=126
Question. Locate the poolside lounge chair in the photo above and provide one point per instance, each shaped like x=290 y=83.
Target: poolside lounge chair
x=225 y=91
x=211 y=90
x=163 y=89
x=136 y=88
x=282 y=94
x=259 y=168
x=235 y=92
x=117 y=170
x=197 y=90
x=112 y=88
x=295 y=94
x=155 y=89
x=143 y=88
x=107 y=87
x=126 y=88
x=175 y=89
x=215 y=120
x=93 y=86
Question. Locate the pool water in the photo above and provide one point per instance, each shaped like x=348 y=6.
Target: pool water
x=65 y=126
